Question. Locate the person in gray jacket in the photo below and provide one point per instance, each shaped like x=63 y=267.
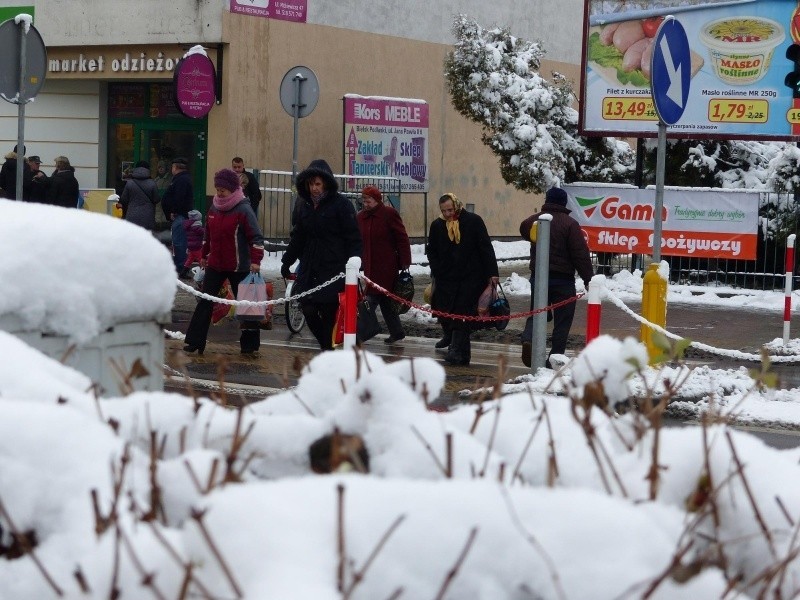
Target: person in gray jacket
x=140 y=196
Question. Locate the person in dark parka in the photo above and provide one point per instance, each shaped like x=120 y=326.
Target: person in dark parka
x=386 y=251
x=463 y=263
x=8 y=176
x=140 y=196
x=63 y=188
x=178 y=200
x=324 y=236
x=568 y=253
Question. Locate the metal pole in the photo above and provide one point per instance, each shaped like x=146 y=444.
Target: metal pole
x=425 y=217
x=298 y=80
x=659 y=206
x=21 y=110
x=540 y=287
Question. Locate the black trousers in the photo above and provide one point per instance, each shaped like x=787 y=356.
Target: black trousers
x=250 y=337
x=561 y=317
x=321 y=317
x=391 y=318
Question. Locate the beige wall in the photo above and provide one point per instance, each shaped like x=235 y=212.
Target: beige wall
x=252 y=123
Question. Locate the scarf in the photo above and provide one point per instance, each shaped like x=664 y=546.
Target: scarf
x=453 y=232
x=225 y=204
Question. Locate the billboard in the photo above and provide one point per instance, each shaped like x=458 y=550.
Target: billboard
x=738 y=66
x=695 y=223
x=284 y=10
x=387 y=137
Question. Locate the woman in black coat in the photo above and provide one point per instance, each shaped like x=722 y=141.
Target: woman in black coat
x=462 y=264
x=324 y=236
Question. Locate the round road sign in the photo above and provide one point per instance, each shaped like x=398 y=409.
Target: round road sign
x=35 y=62
x=309 y=91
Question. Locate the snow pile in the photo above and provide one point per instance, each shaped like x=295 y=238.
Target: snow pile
x=76 y=273
x=524 y=495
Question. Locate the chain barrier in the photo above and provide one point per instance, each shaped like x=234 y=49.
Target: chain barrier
x=737 y=354
x=202 y=295
x=444 y=315
x=180 y=377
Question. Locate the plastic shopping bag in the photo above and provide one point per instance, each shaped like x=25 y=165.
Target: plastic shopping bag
x=338 y=328
x=254 y=289
x=266 y=322
x=220 y=311
x=486 y=298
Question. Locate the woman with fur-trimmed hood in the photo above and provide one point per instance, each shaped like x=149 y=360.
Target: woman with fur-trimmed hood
x=324 y=236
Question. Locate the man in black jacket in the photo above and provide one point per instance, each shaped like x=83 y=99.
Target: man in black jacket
x=324 y=237
x=252 y=190
x=178 y=201
x=568 y=253
x=8 y=176
x=463 y=263
x=63 y=188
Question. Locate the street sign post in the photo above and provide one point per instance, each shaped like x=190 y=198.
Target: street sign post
x=299 y=95
x=23 y=64
x=671 y=70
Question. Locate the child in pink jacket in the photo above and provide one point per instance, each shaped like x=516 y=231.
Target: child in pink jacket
x=194 y=238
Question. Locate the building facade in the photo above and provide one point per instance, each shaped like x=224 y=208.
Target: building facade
x=107 y=98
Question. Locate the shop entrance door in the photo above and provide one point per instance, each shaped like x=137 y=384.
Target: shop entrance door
x=158 y=143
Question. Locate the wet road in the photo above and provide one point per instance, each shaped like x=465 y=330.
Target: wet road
x=283 y=354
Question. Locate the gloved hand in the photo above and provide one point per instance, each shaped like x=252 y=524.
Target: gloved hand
x=286 y=273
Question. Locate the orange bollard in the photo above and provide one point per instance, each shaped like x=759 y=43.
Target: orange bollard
x=654 y=307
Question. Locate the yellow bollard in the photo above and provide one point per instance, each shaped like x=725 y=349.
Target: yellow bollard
x=654 y=307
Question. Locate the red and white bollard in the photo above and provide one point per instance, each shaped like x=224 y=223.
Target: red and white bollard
x=594 y=296
x=787 y=290
x=351 y=301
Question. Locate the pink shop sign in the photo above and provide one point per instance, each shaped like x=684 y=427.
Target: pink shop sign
x=284 y=10
x=195 y=85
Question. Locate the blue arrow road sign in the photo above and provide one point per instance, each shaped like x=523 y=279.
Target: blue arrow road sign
x=671 y=70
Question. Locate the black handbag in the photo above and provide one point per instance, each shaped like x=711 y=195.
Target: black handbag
x=500 y=308
x=404 y=287
x=367 y=326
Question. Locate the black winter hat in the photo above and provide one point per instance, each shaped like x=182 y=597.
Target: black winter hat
x=317 y=168
x=556 y=196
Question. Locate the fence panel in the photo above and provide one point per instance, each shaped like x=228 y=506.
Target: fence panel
x=275 y=214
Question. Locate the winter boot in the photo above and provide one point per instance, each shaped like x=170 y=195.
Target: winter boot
x=459 y=352
x=447 y=337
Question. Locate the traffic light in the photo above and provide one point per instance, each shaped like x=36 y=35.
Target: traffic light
x=793 y=79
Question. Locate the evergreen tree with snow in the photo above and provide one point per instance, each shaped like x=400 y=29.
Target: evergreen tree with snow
x=528 y=121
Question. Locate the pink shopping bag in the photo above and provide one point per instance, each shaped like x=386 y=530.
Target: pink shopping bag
x=254 y=289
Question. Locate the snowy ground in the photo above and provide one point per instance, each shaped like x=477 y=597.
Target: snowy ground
x=541 y=491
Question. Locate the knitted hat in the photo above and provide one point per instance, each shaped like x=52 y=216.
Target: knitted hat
x=227 y=179
x=195 y=215
x=373 y=192
x=556 y=196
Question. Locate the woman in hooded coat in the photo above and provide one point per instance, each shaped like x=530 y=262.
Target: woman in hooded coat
x=324 y=236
